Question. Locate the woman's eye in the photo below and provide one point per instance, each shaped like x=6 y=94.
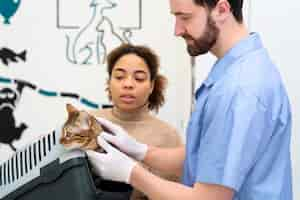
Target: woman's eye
x=139 y=79
x=119 y=77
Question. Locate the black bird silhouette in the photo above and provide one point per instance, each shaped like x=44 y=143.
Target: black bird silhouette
x=7 y=55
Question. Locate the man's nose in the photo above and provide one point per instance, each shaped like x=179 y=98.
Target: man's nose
x=179 y=28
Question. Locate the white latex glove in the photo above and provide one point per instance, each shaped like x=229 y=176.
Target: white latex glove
x=123 y=141
x=112 y=165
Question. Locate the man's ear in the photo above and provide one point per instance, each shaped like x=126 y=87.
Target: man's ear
x=71 y=109
x=221 y=11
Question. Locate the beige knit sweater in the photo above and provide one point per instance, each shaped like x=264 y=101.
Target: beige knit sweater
x=147 y=129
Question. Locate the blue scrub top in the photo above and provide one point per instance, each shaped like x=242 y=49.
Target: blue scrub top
x=239 y=133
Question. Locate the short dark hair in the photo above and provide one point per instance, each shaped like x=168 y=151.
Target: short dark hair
x=236 y=7
x=156 y=98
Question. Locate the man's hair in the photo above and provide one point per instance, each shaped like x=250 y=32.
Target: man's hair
x=236 y=7
x=156 y=98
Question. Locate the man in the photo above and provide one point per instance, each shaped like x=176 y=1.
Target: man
x=238 y=138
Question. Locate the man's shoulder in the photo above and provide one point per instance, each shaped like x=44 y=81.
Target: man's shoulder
x=254 y=73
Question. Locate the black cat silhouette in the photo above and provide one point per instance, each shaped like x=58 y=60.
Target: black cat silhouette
x=8 y=130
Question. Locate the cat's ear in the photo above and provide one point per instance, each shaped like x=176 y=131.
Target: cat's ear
x=71 y=109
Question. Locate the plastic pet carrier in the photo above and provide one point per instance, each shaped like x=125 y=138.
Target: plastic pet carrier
x=45 y=170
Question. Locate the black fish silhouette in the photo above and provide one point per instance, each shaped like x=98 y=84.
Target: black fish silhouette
x=7 y=55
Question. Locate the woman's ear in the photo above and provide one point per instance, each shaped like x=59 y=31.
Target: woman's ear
x=152 y=86
x=107 y=89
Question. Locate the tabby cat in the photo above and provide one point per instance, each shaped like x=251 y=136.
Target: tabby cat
x=80 y=130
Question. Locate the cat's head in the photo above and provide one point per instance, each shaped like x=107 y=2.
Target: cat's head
x=80 y=130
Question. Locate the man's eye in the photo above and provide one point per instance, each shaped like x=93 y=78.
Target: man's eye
x=185 y=18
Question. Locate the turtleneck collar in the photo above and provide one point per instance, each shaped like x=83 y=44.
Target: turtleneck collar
x=138 y=115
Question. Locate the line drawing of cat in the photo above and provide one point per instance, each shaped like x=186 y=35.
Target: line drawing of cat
x=86 y=49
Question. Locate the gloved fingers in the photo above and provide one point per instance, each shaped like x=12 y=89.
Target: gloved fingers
x=105 y=145
x=108 y=137
x=97 y=161
x=109 y=125
x=93 y=155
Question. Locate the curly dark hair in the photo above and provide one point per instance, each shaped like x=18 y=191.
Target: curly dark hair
x=156 y=98
x=236 y=7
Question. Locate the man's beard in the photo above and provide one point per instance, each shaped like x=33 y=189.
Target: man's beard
x=204 y=43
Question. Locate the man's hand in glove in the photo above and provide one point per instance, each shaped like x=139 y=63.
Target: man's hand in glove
x=112 y=165
x=123 y=141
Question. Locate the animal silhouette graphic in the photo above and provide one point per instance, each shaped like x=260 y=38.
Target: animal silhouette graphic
x=88 y=46
x=7 y=55
x=8 y=8
x=9 y=99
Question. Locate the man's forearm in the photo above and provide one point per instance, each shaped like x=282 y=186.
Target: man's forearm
x=157 y=188
x=168 y=160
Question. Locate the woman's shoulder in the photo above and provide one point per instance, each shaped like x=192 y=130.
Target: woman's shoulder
x=163 y=125
x=167 y=132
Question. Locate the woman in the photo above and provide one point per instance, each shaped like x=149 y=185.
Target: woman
x=136 y=88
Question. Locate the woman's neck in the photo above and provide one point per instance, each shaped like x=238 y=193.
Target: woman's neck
x=139 y=114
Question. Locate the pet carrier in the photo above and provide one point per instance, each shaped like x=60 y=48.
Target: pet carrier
x=45 y=170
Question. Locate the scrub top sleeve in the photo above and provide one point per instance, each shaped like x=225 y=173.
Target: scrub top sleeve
x=234 y=135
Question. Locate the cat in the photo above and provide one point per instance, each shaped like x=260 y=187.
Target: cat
x=80 y=130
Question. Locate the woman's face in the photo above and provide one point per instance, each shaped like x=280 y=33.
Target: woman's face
x=130 y=84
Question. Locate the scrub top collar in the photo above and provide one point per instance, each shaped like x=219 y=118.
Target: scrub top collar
x=246 y=45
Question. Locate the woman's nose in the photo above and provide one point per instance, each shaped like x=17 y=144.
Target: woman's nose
x=128 y=82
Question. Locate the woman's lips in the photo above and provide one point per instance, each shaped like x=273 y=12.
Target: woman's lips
x=127 y=98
